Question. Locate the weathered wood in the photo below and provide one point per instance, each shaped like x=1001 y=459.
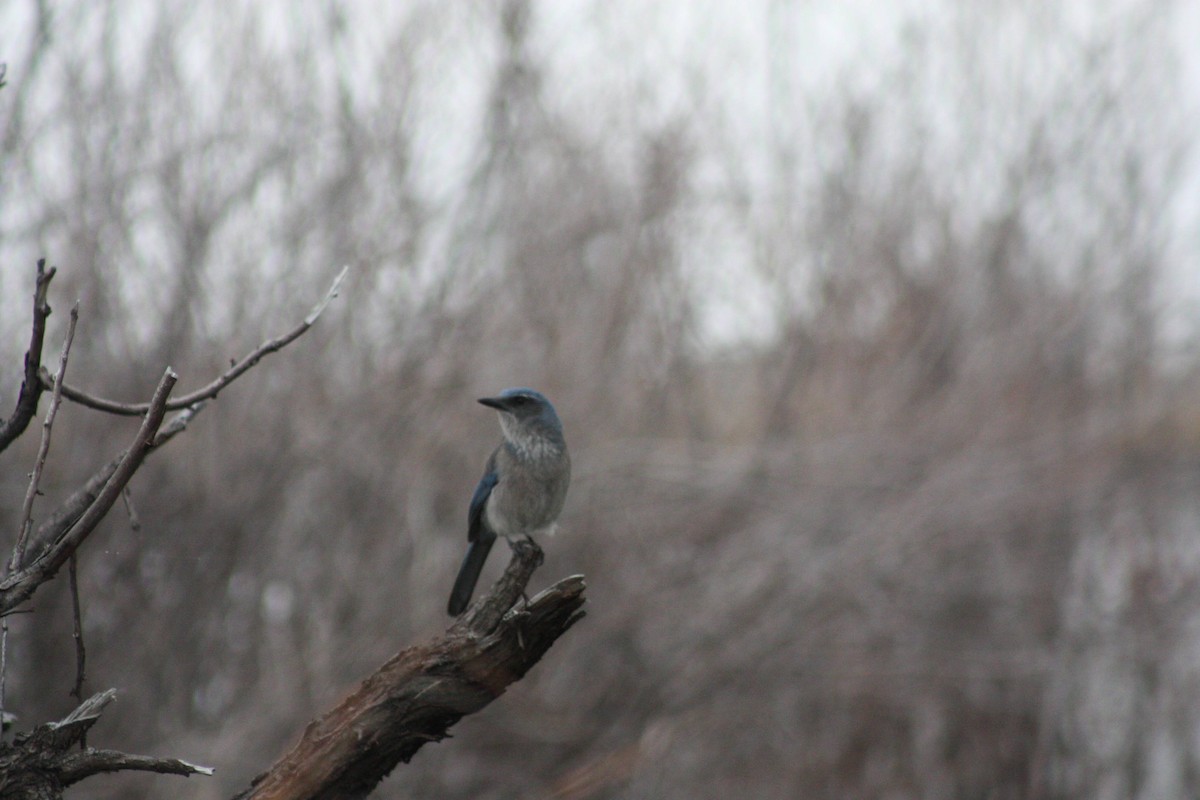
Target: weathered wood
x=420 y=692
x=43 y=762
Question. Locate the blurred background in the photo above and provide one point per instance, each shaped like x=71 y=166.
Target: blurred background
x=873 y=327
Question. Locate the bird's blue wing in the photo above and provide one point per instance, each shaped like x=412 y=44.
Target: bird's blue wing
x=475 y=521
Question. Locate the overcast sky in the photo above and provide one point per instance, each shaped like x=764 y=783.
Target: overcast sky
x=752 y=73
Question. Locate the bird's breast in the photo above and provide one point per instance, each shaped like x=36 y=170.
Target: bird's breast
x=527 y=500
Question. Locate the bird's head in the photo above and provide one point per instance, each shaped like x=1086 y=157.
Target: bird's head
x=525 y=414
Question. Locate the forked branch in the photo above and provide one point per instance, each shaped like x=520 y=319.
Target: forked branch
x=19 y=586
x=220 y=382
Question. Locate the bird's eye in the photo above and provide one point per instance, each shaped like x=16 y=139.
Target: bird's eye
x=520 y=400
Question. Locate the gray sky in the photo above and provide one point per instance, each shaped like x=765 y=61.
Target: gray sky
x=754 y=78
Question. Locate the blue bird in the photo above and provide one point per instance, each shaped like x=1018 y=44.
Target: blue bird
x=523 y=486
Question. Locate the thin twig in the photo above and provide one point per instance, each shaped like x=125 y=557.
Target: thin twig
x=178 y=424
x=135 y=524
x=3 y=668
x=226 y=378
x=18 y=553
x=31 y=385
x=77 y=633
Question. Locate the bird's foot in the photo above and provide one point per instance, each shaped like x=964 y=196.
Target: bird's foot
x=523 y=545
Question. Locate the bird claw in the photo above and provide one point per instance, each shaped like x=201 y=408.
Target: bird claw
x=522 y=545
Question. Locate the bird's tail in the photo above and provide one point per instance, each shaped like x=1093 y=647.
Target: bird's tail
x=468 y=573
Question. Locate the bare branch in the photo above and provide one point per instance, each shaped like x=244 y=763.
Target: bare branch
x=39 y=765
x=20 y=586
x=421 y=691
x=75 y=768
x=73 y=507
x=135 y=522
x=77 y=635
x=229 y=376
x=18 y=553
x=31 y=386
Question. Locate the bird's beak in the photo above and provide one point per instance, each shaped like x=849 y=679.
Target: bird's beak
x=493 y=402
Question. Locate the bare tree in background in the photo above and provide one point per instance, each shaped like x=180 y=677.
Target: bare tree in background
x=928 y=530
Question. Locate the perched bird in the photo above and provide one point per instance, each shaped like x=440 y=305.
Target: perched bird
x=523 y=486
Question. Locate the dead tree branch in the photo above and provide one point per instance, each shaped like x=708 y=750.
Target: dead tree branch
x=421 y=691
x=19 y=586
x=32 y=385
x=41 y=763
x=210 y=391
x=37 y=765
x=73 y=507
x=18 y=553
x=77 y=634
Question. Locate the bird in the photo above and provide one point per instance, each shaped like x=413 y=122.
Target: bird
x=524 y=484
